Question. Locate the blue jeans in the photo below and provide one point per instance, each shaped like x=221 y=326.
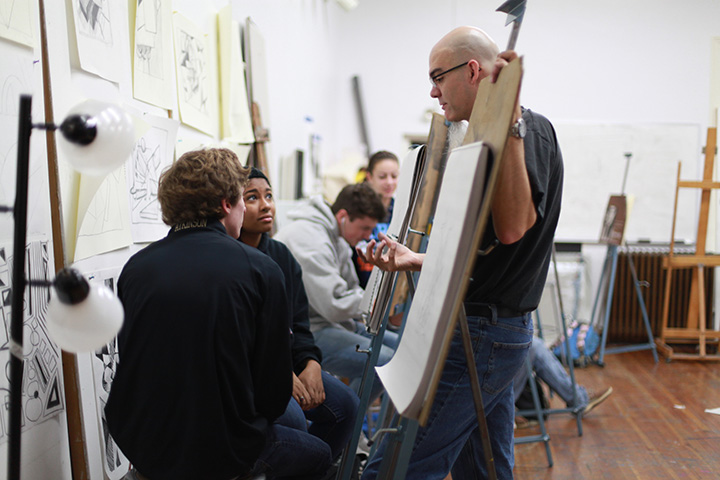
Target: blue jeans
x=332 y=421
x=551 y=371
x=451 y=439
x=291 y=453
x=341 y=359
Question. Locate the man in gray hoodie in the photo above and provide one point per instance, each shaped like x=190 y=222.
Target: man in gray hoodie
x=321 y=238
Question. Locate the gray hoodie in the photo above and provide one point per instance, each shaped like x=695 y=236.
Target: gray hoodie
x=331 y=283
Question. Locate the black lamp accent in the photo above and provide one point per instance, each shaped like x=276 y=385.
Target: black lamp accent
x=70 y=286
x=80 y=129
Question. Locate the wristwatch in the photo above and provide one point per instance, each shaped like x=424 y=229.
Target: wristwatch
x=518 y=129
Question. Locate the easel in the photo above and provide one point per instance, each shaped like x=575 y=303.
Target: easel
x=417 y=217
x=696 y=330
x=491 y=122
x=613 y=235
x=567 y=360
x=262 y=136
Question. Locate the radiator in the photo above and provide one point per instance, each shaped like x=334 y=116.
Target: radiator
x=626 y=323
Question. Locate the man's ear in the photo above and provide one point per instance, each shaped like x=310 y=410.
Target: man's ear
x=341 y=215
x=476 y=72
x=226 y=205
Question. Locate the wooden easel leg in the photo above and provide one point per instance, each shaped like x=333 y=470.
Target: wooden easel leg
x=660 y=343
x=477 y=396
x=699 y=280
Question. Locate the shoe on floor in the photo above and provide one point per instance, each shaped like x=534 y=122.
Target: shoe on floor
x=523 y=422
x=595 y=399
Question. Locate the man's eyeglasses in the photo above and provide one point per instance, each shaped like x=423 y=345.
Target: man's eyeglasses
x=436 y=79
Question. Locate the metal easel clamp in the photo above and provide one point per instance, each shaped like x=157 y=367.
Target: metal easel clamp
x=383 y=431
x=362 y=350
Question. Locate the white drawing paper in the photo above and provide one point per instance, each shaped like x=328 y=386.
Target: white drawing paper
x=235 y=109
x=16 y=21
x=152 y=154
x=152 y=53
x=103 y=214
x=42 y=386
x=195 y=69
x=99 y=36
x=409 y=375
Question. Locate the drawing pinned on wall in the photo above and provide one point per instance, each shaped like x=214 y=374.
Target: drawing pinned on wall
x=151 y=155
x=103 y=215
x=104 y=366
x=98 y=36
x=17 y=72
x=195 y=68
x=152 y=53
x=42 y=388
x=235 y=112
x=16 y=21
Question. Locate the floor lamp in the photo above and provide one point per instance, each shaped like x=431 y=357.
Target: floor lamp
x=97 y=138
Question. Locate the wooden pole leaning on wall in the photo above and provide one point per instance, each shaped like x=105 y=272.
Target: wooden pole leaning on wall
x=76 y=436
x=695 y=332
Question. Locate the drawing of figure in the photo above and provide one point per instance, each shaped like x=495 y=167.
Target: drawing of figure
x=148 y=38
x=93 y=20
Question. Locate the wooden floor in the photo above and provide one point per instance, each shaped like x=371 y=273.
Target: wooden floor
x=654 y=425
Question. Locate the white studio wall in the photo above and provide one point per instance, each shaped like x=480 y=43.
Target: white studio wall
x=643 y=64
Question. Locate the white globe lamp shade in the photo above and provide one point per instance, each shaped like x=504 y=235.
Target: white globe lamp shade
x=82 y=317
x=97 y=137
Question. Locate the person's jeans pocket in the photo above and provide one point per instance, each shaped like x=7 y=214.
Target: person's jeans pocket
x=504 y=361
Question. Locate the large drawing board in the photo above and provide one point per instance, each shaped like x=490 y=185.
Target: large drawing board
x=412 y=376
x=430 y=323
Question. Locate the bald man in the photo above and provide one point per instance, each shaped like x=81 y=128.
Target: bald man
x=506 y=284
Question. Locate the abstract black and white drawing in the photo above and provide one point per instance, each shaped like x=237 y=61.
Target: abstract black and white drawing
x=152 y=64
x=195 y=69
x=191 y=70
x=93 y=20
x=150 y=156
x=42 y=387
x=104 y=366
x=99 y=38
x=148 y=38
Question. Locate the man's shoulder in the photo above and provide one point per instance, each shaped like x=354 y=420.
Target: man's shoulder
x=538 y=124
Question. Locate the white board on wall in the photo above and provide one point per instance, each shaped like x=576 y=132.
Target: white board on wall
x=595 y=161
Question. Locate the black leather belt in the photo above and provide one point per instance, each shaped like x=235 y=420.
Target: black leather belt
x=485 y=310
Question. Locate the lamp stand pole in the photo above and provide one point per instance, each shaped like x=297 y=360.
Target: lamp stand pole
x=18 y=286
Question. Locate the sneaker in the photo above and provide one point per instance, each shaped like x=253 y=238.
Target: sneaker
x=595 y=399
x=523 y=422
